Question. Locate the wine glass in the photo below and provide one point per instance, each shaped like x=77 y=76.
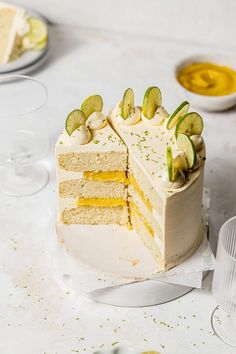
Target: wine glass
x=23 y=135
x=224 y=284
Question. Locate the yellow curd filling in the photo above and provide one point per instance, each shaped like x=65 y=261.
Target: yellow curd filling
x=114 y=176
x=208 y=79
x=146 y=201
x=101 y=202
x=134 y=209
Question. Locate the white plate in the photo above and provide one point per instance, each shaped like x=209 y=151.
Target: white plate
x=28 y=61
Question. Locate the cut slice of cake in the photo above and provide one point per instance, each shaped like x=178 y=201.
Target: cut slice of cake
x=19 y=32
x=166 y=213
x=11 y=19
x=91 y=170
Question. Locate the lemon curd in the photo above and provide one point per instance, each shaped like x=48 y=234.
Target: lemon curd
x=208 y=79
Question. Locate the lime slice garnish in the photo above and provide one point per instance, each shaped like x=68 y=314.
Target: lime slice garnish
x=41 y=45
x=38 y=31
x=127 y=103
x=177 y=114
x=92 y=104
x=169 y=163
x=180 y=162
x=74 y=120
x=186 y=145
x=151 y=101
x=190 y=124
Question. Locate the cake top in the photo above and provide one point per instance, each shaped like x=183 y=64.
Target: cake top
x=169 y=148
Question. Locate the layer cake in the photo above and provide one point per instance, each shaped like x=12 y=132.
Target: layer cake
x=138 y=167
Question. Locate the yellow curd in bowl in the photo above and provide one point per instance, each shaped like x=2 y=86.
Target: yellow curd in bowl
x=208 y=79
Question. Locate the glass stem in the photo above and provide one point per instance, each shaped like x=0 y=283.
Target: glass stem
x=20 y=171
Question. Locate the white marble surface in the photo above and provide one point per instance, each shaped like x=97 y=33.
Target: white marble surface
x=36 y=314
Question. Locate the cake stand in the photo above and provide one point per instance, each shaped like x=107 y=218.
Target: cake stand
x=110 y=264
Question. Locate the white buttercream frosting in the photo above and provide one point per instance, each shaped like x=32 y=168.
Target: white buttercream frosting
x=96 y=120
x=197 y=163
x=133 y=118
x=80 y=136
x=160 y=115
x=165 y=183
x=197 y=141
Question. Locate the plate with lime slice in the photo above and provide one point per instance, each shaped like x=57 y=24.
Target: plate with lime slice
x=37 y=39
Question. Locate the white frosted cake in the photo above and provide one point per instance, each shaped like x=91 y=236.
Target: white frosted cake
x=139 y=167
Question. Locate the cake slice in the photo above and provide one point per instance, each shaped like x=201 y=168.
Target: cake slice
x=91 y=170
x=11 y=19
x=19 y=32
x=165 y=212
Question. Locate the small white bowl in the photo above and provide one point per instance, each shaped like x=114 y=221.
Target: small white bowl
x=208 y=103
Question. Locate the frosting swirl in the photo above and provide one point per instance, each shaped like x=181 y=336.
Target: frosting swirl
x=80 y=136
x=96 y=120
x=133 y=118
x=197 y=141
x=165 y=183
x=160 y=115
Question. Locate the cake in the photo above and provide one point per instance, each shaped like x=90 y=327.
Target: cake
x=139 y=167
x=91 y=174
x=19 y=32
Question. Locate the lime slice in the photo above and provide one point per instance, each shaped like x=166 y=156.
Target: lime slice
x=127 y=103
x=177 y=114
x=151 y=101
x=190 y=124
x=169 y=163
x=180 y=162
x=185 y=144
x=74 y=120
x=38 y=31
x=41 y=45
x=92 y=104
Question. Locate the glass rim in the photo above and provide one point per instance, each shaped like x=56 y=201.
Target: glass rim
x=221 y=234
x=7 y=77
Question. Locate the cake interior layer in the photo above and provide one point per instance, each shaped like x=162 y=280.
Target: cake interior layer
x=86 y=188
x=95 y=215
x=143 y=186
x=154 y=222
x=90 y=161
x=145 y=232
x=114 y=176
x=135 y=185
x=102 y=202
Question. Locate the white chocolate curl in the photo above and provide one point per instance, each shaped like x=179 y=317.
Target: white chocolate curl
x=81 y=135
x=96 y=120
x=197 y=141
x=160 y=115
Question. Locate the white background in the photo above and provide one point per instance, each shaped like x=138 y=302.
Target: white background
x=104 y=47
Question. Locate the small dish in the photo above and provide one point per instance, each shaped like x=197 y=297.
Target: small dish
x=208 y=103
